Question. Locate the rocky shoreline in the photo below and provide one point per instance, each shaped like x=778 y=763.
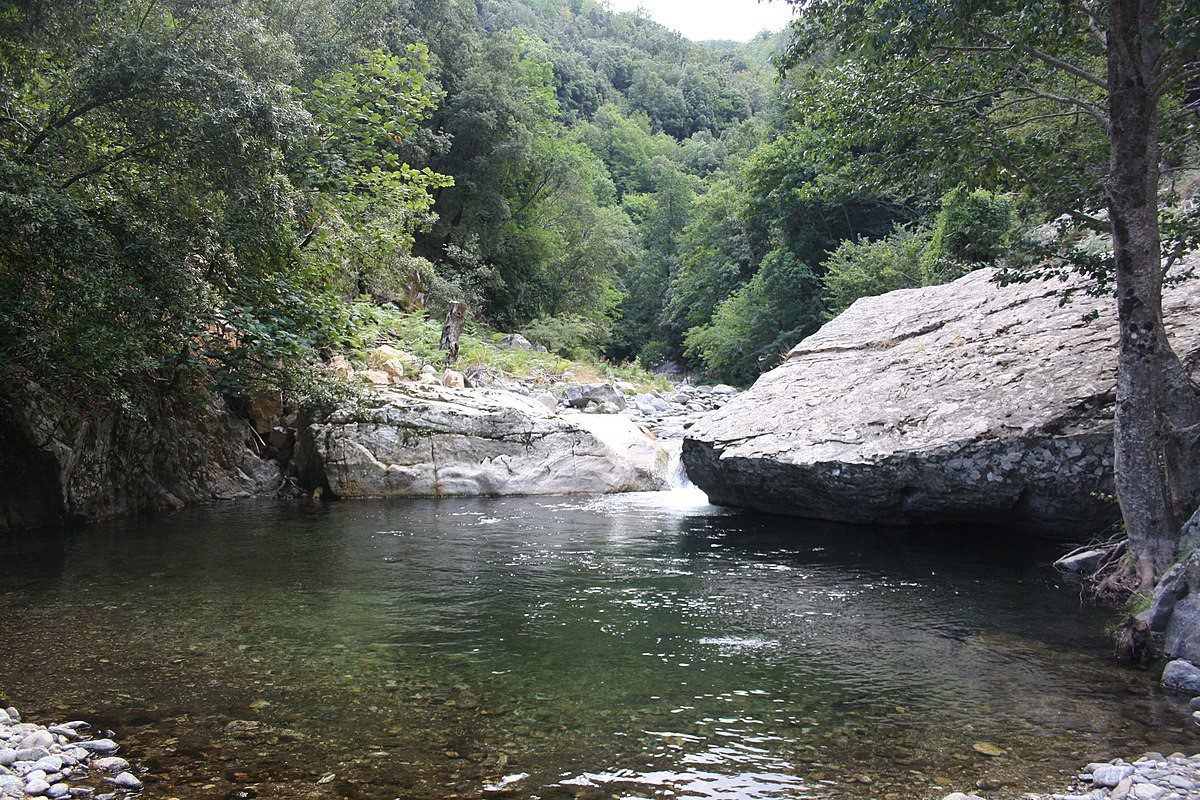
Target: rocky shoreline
x=1152 y=776
x=65 y=760
x=59 y=761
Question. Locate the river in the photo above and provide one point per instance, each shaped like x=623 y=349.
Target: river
x=631 y=646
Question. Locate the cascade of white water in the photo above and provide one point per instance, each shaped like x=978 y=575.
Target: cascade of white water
x=680 y=492
x=677 y=477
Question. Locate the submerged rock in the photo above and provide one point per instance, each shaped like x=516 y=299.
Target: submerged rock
x=963 y=402
x=431 y=441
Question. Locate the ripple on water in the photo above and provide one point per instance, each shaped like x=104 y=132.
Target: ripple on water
x=646 y=645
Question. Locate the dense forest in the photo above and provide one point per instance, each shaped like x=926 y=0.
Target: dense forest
x=212 y=193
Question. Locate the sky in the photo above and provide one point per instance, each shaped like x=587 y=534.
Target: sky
x=701 y=20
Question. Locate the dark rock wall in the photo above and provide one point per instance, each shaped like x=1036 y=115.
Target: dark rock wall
x=61 y=463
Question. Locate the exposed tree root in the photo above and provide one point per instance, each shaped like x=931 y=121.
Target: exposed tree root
x=1114 y=582
x=1116 y=576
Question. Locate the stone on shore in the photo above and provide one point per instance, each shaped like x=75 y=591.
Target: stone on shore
x=1182 y=676
x=1084 y=563
x=968 y=402
x=60 y=764
x=587 y=394
x=1174 y=613
x=1151 y=777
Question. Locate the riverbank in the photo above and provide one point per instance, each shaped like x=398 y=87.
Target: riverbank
x=64 y=760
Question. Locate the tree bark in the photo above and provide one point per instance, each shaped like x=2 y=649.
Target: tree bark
x=1156 y=474
x=452 y=329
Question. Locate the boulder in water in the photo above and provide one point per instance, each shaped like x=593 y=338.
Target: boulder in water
x=969 y=401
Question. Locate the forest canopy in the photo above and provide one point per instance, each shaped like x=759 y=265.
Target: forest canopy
x=223 y=193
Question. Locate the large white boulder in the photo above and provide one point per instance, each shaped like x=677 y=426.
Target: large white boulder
x=422 y=440
x=969 y=401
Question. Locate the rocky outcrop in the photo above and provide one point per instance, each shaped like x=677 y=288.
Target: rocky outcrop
x=64 y=463
x=425 y=440
x=963 y=402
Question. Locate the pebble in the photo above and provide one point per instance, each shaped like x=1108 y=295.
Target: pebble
x=127 y=780
x=1110 y=775
x=49 y=764
x=36 y=786
x=36 y=739
x=32 y=753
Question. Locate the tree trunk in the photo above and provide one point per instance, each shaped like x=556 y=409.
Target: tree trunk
x=452 y=329
x=1156 y=475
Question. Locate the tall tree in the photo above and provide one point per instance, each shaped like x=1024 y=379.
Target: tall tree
x=1078 y=104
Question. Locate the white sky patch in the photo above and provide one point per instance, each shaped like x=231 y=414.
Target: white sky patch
x=702 y=20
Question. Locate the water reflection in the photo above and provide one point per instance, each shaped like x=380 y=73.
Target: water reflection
x=637 y=646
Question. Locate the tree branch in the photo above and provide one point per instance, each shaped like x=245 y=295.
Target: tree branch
x=96 y=170
x=1178 y=75
x=1049 y=60
x=1094 y=23
x=1037 y=118
x=70 y=117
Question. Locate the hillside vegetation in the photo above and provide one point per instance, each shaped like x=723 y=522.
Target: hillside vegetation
x=219 y=194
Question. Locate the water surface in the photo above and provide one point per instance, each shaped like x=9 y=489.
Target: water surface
x=626 y=647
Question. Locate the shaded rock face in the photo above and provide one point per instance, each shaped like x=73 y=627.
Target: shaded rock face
x=963 y=402
x=64 y=464
x=427 y=441
x=1174 y=613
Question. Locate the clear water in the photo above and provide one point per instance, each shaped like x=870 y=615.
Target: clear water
x=625 y=647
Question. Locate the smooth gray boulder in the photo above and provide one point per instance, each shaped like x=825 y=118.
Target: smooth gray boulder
x=421 y=440
x=1084 y=563
x=968 y=401
x=595 y=393
x=1182 y=676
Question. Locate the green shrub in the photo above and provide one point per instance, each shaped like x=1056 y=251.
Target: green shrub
x=863 y=268
x=753 y=328
x=973 y=229
x=569 y=335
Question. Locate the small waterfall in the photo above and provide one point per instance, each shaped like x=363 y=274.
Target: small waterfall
x=680 y=491
x=677 y=477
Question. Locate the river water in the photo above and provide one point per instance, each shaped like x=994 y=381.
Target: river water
x=627 y=647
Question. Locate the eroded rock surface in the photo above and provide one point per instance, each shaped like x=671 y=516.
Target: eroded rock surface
x=65 y=462
x=963 y=402
x=424 y=440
